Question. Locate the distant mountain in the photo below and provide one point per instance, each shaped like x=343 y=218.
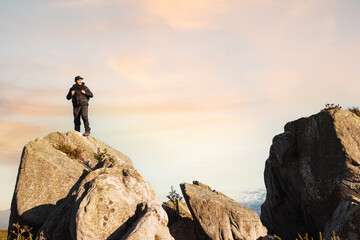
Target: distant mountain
x=4 y=219
x=253 y=200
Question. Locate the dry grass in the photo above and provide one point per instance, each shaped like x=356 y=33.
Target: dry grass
x=330 y=107
x=21 y=233
x=307 y=237
x=3 y=234
x=355 y=110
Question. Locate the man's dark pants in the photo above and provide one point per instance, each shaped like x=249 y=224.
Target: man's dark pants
x=83 y=112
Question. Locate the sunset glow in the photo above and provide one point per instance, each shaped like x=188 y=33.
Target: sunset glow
x=189 y=90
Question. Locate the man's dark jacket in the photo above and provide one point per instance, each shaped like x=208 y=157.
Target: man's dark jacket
x=79 y=99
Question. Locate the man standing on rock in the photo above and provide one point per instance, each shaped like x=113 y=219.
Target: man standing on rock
x=80 y=95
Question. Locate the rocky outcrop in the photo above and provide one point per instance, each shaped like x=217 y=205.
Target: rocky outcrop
x=72 y=187
x=219 y=217
x=313 y=166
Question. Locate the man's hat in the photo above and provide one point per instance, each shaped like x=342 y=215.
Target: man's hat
x=77 y=78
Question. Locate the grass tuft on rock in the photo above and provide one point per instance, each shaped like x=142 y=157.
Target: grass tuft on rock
x=355 y=110
x=104 y=158
x=331 y=106
x=307 y=237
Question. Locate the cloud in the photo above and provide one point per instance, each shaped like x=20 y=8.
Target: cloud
x=203 y=14
x=301 y=8
x=135 y=68
x=177 y=14
x=13 y=137
x=191 y=105
x=33 y=109
x=16 y=100
x=73 y=3
x=187 y=14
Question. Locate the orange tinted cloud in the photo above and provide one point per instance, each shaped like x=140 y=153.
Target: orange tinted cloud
x=200 y=14
x=135 y=68
x=181 y=14
x=82 y=2
x=178 y=14
x=32 y=102
x=206 y=104
x=13 y=137
x=34 y=109
x=301 y=8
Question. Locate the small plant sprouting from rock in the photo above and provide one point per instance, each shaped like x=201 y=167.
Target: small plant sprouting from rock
x=330 y=107
x=73 y=153
x=355 y=110
x=18 y=232
x=23 y=233
x=173 y=195
x=42 y=236
x=104 y=157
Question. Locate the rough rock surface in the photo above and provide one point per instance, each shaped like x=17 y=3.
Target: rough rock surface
x=66 y=191
x=181 y=224
x=345 y=221
x=185 y=229
x=220 y=217
x=312 y=167
x=176 y=210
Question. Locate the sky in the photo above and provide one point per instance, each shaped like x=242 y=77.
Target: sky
x=189 y=90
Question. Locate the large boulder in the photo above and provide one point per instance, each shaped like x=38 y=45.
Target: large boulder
x=312 y=167
x=220 y=217
x=49 y=168
x=111 y=203
x=75 y=187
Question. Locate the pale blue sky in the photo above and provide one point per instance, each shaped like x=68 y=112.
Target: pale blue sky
x=187 y=89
